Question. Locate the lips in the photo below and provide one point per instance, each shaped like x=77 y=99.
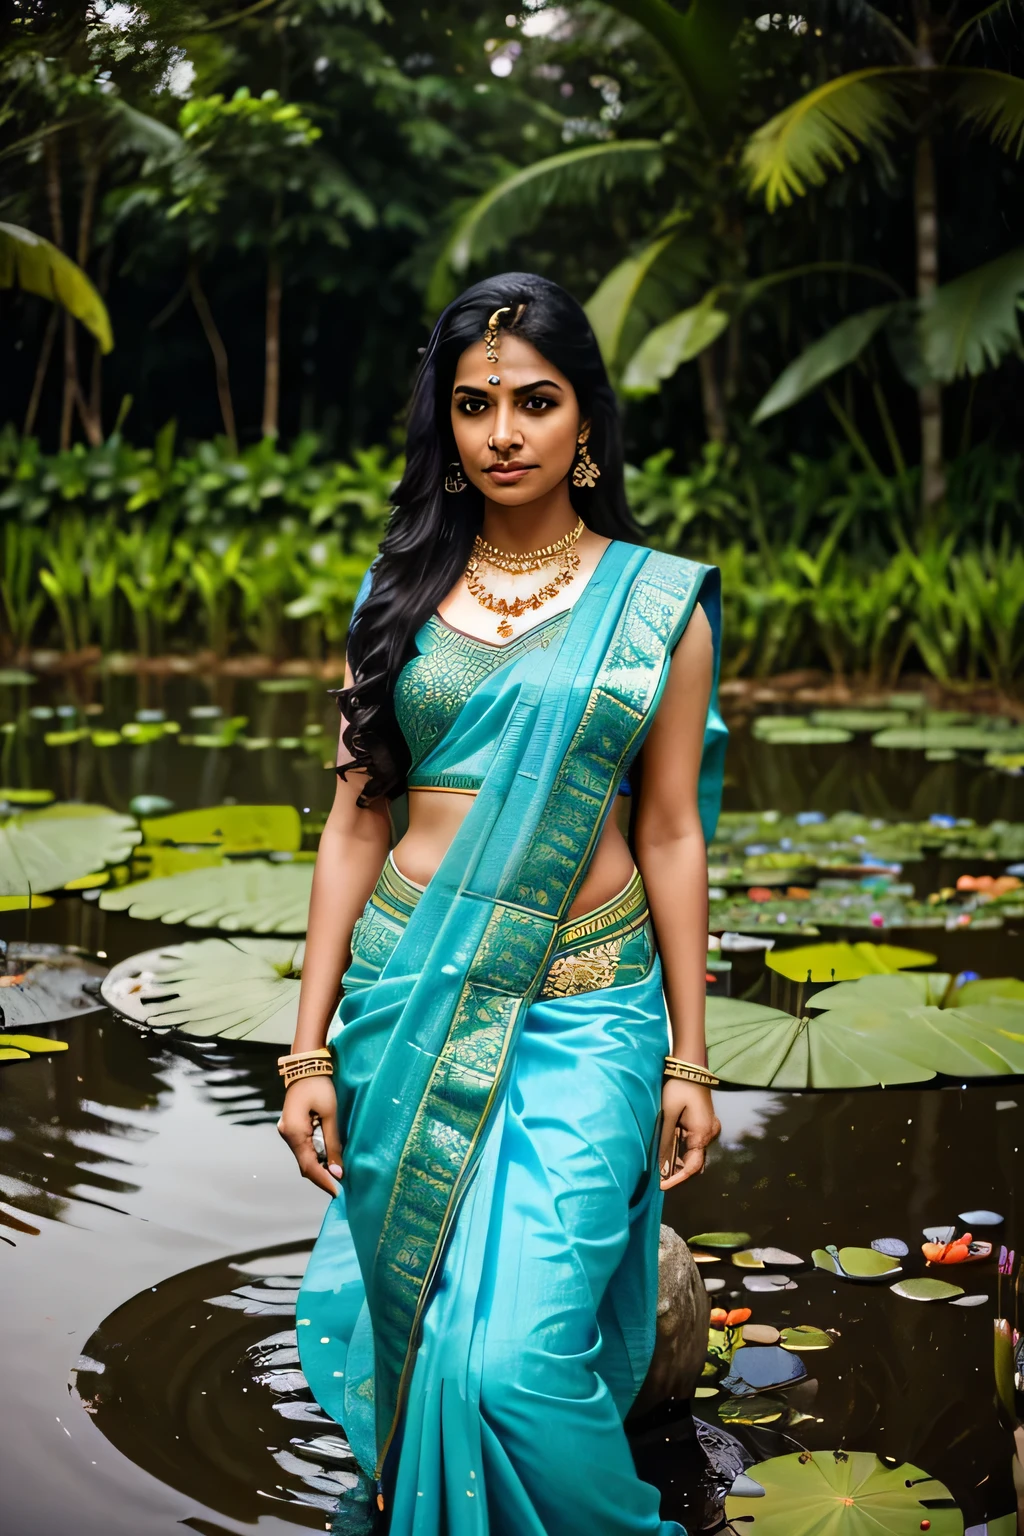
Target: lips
x=516 y=467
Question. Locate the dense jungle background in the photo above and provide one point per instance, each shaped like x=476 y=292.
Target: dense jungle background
x=799 y=238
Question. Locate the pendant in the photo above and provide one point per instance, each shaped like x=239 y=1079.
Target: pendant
x=504 y=629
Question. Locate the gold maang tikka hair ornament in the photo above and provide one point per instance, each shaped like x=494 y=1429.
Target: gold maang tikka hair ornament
x=491 y=335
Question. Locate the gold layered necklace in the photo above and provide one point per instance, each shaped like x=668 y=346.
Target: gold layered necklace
x=563 y=553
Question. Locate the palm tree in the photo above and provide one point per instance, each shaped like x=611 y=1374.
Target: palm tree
x=969 y=324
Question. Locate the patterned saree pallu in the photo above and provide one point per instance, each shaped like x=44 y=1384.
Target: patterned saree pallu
x=422 y=1053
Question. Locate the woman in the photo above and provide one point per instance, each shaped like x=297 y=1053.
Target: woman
x=479 y=1310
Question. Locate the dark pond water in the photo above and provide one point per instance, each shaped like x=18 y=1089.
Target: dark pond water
x=153 y=1228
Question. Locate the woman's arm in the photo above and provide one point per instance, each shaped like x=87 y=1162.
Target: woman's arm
x=353 y=847
x=672 y=859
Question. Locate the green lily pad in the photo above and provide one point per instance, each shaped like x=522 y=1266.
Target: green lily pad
x=235 y=828
x=22 y=1047
x=255 y=896
x=14 y=677
x=719 y=1239
x=901 y=989
x=764 y=1047
x=747 y=1259
x=23 y=903
x=805 y=1337
x=990 y=989
x=43 y=850
x=751 y=1410
x=844 y=1494
x=926 y=1289
x=843 y=962
x=856 y=1263
x=952 y=738
x=796 y=731
x=239 y=989
x=859 y=719
x=27 y=796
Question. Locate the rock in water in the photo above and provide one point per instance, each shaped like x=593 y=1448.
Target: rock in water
x=681 y=1340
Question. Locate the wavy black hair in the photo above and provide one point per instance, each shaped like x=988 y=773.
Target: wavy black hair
x=431 y=531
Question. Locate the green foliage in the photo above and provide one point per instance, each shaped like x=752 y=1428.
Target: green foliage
x=30 y=262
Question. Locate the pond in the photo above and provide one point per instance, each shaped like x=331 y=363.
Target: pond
x=154 y=1228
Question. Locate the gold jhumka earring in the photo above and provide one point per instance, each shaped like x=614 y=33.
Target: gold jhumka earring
x=586 y=473
x=455 y=478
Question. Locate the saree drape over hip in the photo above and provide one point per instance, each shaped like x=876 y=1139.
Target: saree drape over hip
x=479 y=1309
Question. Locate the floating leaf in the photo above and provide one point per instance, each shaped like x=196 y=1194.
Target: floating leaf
x=705 y=1258
x=712 y=1284
x=805 y=1337
x=990 y=989
x=855 y=1263
x=843 y=962
x=719 y=1239
x=751 y=1410
x=27 y=796
x=22 y=1047
x=746 y=1259
x=150 y=805
x=53 y=986
x=252 y=897
x=23 y=903
x=902 y=989
x=776 y=1256
x=846 y=1493
x=926 y=1289
x=952 y=738
x=241 y=989
x=760 y=1368
x=944 y=1234
x=968 y=1301
x=808 y=736
x=15 y=677
x=764 y=1047
x=43 y=850
x=859 y=719
x=235 y=828
x=980 y=1218
x=895 y=1247
x=768 y=1283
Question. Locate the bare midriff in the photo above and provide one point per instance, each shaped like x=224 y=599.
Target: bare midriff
x=436 y=815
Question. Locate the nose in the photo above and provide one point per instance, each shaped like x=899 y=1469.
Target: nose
x=506 y=434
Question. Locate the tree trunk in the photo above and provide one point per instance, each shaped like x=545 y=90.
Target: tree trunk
x=926 y=223
x=272 y=368
x=53 y=193
x=220 y=356
x=711 y=396
x=45 y=353
x=88 y=410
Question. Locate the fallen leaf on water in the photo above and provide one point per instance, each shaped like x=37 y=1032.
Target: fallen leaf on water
x=751 y=1410
x=855 y=1263
x=719 y=1239
x=760 y=1333
x=805 y=1336
x=776 y=1256
x=894 y=1247
x=980 y=1218
x=768 y=1283
x=747 y=1259
x=925 y=1289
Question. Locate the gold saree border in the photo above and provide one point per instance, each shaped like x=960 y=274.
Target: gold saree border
x=508 y=968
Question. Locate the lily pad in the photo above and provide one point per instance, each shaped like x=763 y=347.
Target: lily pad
x=746 y=1259
x=751 y=1410
x=951 y=738
x=22 y=1047
x=980 y=1218
x=15 y=677
x=240 y=989
x=805 y=1337
x=843 y=962
x=256 y=896
x=712 y=1284
x=760 y=1333
x=846 y=1494
x=50 y=986
x=27 y=796
x=895 y=1247
x=724 y=1240
x=968 y=1301
x=762 y=1368
x=764 y=1047
x=904 y=989
x=777 y=1256
x=855 y=1263
x=768 y=1283
x=42 y=850
x=926 y=1289
x=235 y=828
x=860 y=719
x=24 y=903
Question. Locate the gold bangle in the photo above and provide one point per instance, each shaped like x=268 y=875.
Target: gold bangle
x=301 y=1064
x=320 y=1053
x=688 y=1071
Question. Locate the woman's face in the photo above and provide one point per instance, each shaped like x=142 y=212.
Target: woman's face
x=517 y=438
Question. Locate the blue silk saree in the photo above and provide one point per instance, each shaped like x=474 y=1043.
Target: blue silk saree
x=478 y=1312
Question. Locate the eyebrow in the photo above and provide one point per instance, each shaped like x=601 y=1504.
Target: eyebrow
x=523 y=389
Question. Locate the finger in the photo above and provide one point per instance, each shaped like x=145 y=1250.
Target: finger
x=332 y=1143
x=692 y=1162
x=310 y=1168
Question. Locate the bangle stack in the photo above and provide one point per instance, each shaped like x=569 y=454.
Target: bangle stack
x=316 y=1063
x=689 y=1072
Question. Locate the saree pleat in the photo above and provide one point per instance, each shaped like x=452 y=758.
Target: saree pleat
x=479 y=1309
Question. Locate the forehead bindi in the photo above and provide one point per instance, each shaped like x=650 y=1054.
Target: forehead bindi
x=519 y=363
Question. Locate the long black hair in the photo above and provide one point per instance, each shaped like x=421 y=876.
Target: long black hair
x=431 y=531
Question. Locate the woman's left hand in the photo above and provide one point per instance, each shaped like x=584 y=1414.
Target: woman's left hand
x=688 y=1106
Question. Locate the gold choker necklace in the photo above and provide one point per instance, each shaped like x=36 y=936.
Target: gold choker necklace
x=564 y=550
x=530 y=559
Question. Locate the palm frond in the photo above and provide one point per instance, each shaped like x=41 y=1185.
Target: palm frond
x=30 y=262
x=677 y=341
x=612 y=302
x=973 y=323
x=993 y=103
x=835 y=350
x=698 y=44
x=515 y=204
x=823 y=132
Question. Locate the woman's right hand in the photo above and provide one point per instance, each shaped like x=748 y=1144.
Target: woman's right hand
x=305 y=1102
